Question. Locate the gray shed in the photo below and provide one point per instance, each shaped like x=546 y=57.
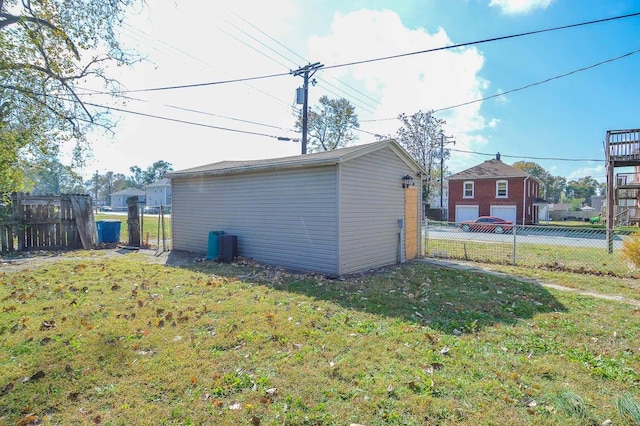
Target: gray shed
x=335 y=212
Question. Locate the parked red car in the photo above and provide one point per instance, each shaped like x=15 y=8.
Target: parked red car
x=487 y=224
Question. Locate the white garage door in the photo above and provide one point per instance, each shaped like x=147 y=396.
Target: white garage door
x=466 y=213
x=504 y=212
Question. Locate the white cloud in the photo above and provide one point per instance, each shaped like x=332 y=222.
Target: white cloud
x=514 y=7
x=408 y=84
x=597 y=172
x=493 y=123
x=501 y=98
x=206 y=47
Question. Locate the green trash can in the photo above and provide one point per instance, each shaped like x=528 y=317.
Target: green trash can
x=212 y=244
x=108 y=231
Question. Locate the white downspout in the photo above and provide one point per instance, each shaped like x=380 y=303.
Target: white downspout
x=524 y=199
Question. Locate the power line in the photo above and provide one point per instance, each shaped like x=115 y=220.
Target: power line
x=527 y=157
x=487 y=40
x=537 y=83
x=197 y=111
x=542 y=81
x=268 y=36
x=158 y=41
x=175 y=120
x=384 y=58
x=284 y=57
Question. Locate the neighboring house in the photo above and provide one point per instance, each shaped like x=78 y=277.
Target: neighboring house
x=494 y=188
x=434 y=200
x=559 y=207
x=119 y=198
x=158 y=193
x=434 y=208
x=597 y=202
x=334 y=212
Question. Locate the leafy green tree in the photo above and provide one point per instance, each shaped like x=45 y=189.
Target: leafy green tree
x=48 y=48
x=583 y=188
x=554 y=189
x=102 y=186
x=533 y=169
x=53 y=177
x=137 y=176
x=330 y=125
x=156 y=171
x=421 y=136
x=551 y=187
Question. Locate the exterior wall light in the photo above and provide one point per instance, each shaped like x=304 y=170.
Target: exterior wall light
x=407 y=181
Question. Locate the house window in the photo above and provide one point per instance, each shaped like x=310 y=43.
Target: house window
x=468 y=190
x=502 y=189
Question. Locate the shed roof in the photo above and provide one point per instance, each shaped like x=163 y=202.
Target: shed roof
x=159 y=182
x=299 y=161
x=490 y=169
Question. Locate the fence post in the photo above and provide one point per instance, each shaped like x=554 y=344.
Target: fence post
x=133 y=221
x=425 y=233
x=514 y=244
x=16 y=201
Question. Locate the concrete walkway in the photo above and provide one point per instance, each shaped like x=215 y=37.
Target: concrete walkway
x=473 y=267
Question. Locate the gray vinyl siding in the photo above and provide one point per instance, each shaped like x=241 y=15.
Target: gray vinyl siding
x=371 y=202
x=286 y=218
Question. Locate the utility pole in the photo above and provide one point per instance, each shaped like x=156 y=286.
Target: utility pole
x=95 y=200
x=442 y=138
x=306 y=72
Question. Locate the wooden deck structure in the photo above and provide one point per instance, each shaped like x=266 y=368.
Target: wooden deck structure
x=622 y=149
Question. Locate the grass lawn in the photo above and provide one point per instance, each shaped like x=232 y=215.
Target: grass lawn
x=150 y=231
x=595 y=261
x=121 y=341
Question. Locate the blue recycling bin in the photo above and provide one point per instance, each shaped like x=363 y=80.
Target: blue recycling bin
x=213 y=244
x=108 y=231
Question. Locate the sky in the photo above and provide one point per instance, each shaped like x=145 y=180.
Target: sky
x=560 y=124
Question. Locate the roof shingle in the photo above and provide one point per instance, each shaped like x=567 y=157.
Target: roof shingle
x=490 y=169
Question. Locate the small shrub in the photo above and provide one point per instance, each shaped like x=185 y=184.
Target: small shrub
x=631 y=249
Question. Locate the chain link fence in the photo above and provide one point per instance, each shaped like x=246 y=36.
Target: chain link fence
x=573 y=249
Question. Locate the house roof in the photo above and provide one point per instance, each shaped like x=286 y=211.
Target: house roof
x=490 y=169
x=160 y=182
x=129 y=191
x=324 y=158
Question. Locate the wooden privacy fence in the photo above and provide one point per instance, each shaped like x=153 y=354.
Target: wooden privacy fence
x=47 y=222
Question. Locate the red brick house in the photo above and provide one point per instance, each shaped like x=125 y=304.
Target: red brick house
x=494 y=189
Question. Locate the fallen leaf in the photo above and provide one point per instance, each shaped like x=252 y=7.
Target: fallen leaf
x=29 y=420
x=272 y=391
x=255 y=421
x=445 y=350
x=39 y=375
x=235 y=406
x=5 y=390
x=47 y=325
x=529 y=402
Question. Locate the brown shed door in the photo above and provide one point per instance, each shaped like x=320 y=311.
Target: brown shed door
x=410 y=223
